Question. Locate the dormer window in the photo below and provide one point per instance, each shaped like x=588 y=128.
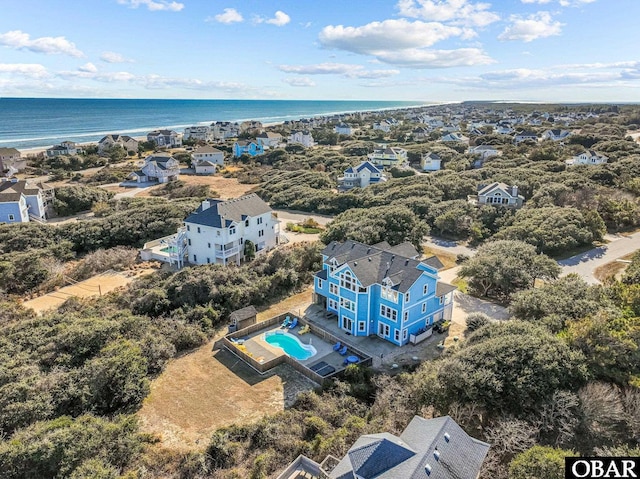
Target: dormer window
x=348 y=281
x=232 y=230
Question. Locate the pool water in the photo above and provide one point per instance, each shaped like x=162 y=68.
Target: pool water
x=169 y=249
x=290 y=345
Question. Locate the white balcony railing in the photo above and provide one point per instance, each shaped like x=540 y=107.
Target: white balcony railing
x=225 y=253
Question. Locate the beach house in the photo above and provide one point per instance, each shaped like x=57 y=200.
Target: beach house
x=199 y=133
x=556 y=134
x=343 y=129
x=484 y=151
x=64 y=148
x=222 y=130
x=587 y=157
x=247 y=147
x=125 y=141
x=382 y=290
x=157 y=167
x=207 y=153
x=301 y=137
x=221 y=231
x=393 y=156
x=525 y=135
x=497 y=194
x=436 y=448
x=21 y=201
x=11 y=159
x=165 y=138
x=269 y=139
x=455 y=137
x=430 y=161
x=361 y=176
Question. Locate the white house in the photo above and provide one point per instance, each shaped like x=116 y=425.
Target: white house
x=157 y=167
x=393 y=156
x=430 y=161
x=343 y=129
x=64 y=148
x=11 y=159
x=218 y=230
x=222 y=130
x=556 y=135
x=455 y=138
x=420 y=133
x=587 y=157
x=361 y=176
x=497 y=194
x=125 y=141
x=525 y=136
x=484 y=151
x=382 y=126
x=208 y=153
x=165 y=138
x=21 y=201
x=251 y=125
x=269 y=139
x=303 y=138
x=199 y=132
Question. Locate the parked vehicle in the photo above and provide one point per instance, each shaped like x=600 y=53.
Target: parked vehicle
x=442 y=327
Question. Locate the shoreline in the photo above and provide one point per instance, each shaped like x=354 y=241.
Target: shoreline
x=35 y=150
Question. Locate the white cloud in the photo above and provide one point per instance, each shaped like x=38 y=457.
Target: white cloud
x=344 y=69
x=403 y=43
x=536 y=25
x=49 y=45
x=228 y=16
x=30 y=70
x=113 y=57
x=88 y=67
x=387 y=35
x=279 y=19
x=563 y=3
x=154 y=5
x=300 y=81
x=461 y=12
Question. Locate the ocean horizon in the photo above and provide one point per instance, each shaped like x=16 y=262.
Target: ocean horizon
x=27 y=123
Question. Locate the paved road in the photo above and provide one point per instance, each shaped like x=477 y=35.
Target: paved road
x=585 y=263
x=453 y=247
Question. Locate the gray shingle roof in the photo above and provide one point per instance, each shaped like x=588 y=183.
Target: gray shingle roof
x=236 y=210
x=444 y=288
x=11 y=191
x=372 y=264
x=384 y=456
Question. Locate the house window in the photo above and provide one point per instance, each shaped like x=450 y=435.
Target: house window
x=425 y=289
x=189 y=241
x=383 y=330
x=406 y=297
x=209 y=245
x=198 y=229
x=195 y=258
x=12 y=218
x=405 y=316
x=441 y=299
x=333 y=304
x=424 y=307
x=232 y=230
x=261 y=233
x=188 y=228
x=388 y=313
x=348 y=281
x=346 y=304
x=396 y=335
x=208 y=261
x=361 y=326
x=246 y=223
x=218 y=232
x=404 y=334
x=333 y=288
x=259 y=221
x=389 y=294
x=319 y=283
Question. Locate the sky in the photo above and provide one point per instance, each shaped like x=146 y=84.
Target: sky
x=423 y=50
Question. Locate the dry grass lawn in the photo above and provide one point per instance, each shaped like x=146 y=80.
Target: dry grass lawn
x=204 y=390
x=227 y=188
x=448 y=259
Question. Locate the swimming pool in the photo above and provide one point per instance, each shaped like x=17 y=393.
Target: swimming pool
x=290 y=345
x=169 y=249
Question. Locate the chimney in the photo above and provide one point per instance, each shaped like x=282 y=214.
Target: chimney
x=206 y=204
x=514 y=190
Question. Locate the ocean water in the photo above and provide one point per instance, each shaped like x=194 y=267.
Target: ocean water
x=40 y=122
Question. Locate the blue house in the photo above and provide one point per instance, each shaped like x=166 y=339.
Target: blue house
x=382 y=290
x=244 y=147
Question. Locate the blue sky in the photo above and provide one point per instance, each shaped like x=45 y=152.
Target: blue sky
x=428 y=50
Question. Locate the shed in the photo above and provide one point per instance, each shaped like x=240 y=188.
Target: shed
x=241 y=318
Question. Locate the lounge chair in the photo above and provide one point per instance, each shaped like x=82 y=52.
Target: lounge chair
x=294 y=323
x=337 y=346
x=286 y=322
x=304 y=329
x=343 y=351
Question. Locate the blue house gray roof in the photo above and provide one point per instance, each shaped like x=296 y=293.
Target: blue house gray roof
x=427 y=449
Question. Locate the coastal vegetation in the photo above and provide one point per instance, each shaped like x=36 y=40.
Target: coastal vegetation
x=561 y=378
